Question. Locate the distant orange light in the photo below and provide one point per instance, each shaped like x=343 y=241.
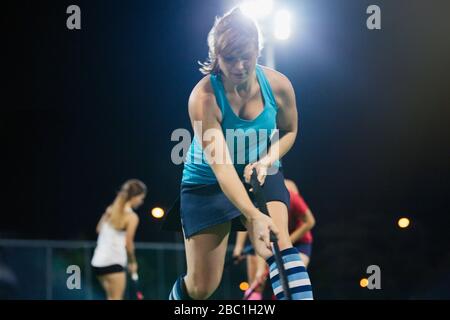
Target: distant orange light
x=403 y=222
x=157 y=213
x=363 y=282
x=244 y=286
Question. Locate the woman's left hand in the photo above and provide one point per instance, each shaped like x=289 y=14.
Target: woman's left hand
x=132 y=267
x=261 y=171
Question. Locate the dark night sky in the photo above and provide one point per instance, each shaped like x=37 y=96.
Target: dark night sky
x=82 y=111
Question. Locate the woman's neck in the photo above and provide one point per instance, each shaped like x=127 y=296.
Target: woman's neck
x=127 y=207
x=243 y=89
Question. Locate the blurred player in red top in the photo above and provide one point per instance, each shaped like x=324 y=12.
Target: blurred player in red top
x=301 y=221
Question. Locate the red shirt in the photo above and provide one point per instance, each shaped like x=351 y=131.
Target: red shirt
x=298 y=209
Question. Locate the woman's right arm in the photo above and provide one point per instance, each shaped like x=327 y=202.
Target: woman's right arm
x=202 y=111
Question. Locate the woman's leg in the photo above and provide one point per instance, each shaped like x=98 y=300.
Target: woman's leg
x=279 y=213
x=205 y=256
x=114 y=285
x=297 y=276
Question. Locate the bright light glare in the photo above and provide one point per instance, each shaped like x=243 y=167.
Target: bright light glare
x=244 y=286
x=157 y=213
x=282 y=25
x=257 y=9
x=403 y=223
x=363 y=282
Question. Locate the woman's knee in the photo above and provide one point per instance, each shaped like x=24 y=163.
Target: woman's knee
x=201 y=292
x=278 y=212
x=202 y=287
x=205 y=254
x=115 y=296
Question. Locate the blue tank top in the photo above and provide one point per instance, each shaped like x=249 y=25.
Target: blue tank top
x=247 y=140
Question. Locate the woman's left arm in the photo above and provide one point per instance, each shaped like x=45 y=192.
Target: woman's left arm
x=286 y=120
x=286 y=124
x=130 y=233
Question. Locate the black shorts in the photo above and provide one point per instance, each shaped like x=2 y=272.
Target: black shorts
x=101 y=271
x=202 y=206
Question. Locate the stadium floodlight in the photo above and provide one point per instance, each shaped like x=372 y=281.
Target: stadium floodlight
x=282 y=24
x=257 y=9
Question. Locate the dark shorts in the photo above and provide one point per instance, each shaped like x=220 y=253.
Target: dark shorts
x=101 y=271
x=204 y=206
x=305 y=248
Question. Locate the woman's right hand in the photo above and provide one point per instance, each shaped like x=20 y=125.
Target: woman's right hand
x=259 y=228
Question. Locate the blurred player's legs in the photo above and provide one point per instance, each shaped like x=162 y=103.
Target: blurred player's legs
x=114 y=285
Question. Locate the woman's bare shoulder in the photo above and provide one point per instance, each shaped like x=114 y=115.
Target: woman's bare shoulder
x=131 y=217
x=203 y=88
x=203 y=100
x=278 y=81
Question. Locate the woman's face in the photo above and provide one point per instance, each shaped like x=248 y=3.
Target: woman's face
x=238 y=65
x=137 y=201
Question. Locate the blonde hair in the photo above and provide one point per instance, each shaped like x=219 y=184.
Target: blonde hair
x=230 y=33
x=129 y=189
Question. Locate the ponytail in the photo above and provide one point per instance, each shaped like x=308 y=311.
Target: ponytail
x=118 y=207
x=129 y=189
